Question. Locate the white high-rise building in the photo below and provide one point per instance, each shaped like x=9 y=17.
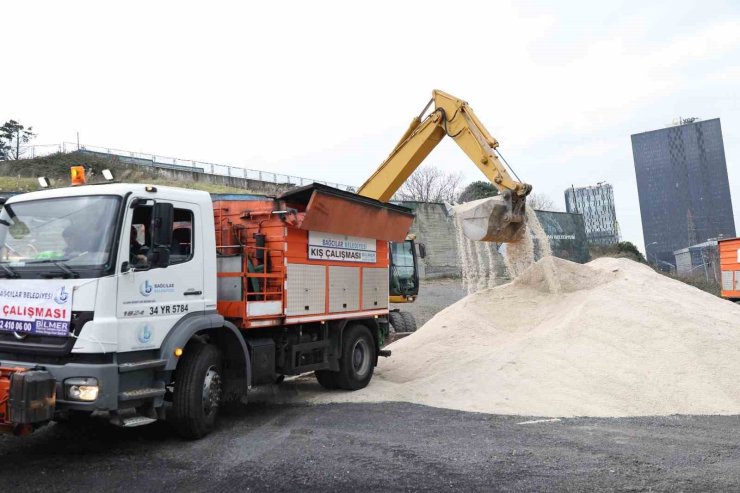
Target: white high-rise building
x=596 y=203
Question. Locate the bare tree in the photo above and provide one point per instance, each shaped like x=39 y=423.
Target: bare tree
x=542 y=202
x=12 y=135
x=431 y=184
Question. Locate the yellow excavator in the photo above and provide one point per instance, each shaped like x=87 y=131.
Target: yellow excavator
x=499 y=219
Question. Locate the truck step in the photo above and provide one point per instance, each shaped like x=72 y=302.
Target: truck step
x=141 y=365
x=130 y=395
x=134 y=421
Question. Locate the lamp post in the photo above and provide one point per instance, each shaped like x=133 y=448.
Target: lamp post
x=655 y=254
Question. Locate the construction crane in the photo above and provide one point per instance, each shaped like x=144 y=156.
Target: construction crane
x=499 y=219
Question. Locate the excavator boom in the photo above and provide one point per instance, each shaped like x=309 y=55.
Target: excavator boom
x=500 y=219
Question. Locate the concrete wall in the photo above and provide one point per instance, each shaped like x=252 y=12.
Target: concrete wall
x=436 y=230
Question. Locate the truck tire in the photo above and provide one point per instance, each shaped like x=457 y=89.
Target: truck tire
x=327 y=379
x=397 y=322
x=409 y=322
x=358 y=358
x=198 y=388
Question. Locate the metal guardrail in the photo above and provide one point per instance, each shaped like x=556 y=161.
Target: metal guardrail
x=156 y=160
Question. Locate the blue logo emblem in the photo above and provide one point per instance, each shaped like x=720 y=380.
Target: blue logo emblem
x=146 y=288
x=61 y=296
x=145 y=334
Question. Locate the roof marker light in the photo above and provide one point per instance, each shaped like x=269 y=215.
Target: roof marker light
x=77 y=175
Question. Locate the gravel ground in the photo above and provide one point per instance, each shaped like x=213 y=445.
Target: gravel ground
x=434 y=295
x=390 y=446
x=385 y=446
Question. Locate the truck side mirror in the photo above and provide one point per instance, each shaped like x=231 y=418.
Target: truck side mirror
x=422 y=250
x=162 y=219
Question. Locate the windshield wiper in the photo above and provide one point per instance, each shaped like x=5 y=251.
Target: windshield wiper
x=9 y=273
x=59 y=263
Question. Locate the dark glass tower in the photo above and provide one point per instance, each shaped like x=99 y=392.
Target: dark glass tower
x=683 y=187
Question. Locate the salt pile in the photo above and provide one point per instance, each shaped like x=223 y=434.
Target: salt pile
x=615 y=339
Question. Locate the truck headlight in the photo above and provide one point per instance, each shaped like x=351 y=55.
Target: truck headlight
x=81 y=389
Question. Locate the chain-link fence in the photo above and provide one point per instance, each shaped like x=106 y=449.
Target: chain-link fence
x=34 y=151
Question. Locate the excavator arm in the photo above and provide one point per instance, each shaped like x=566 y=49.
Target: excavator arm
x=497 y=220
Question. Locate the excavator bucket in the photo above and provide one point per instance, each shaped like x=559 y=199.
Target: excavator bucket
x=499 y=219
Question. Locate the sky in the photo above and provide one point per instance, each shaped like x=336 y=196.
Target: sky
x=324 y=89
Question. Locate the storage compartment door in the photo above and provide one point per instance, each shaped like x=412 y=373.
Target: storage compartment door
x=306 y=289
x=344 y=289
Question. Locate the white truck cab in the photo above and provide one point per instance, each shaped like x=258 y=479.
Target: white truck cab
x=92 y=293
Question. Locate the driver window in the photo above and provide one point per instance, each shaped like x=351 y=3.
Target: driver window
x=140 y=237
x=140 y=243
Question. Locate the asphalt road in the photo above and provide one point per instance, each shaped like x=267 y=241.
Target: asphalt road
x=389 y=446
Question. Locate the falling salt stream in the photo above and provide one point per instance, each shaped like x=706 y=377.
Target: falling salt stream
x=492 y=265
x=551 y=276
x=464 y=252
x=480 y=263
x=484 y=273
x=466 y=261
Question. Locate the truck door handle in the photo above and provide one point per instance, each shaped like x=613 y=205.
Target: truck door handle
x=192 y=293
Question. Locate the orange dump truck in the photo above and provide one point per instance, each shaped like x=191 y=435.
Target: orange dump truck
x=729 y=266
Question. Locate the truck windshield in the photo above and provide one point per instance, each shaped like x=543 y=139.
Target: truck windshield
x=403 y=275
x=74 y=232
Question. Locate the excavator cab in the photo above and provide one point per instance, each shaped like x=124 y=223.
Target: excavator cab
x=404 y=271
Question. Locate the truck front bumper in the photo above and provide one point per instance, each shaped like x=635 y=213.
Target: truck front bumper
x=105 y=374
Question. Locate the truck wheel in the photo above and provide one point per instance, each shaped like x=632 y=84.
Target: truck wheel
x=358 y=358
x=198 y=388
x=397 y=321
x=409 y=322
x=327 y=379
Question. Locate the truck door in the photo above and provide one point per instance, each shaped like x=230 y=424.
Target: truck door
x=151 y=300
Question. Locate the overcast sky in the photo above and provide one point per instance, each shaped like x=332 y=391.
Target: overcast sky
x=325 y=89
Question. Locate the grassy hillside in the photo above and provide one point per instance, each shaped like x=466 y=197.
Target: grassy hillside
x=21 y=175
